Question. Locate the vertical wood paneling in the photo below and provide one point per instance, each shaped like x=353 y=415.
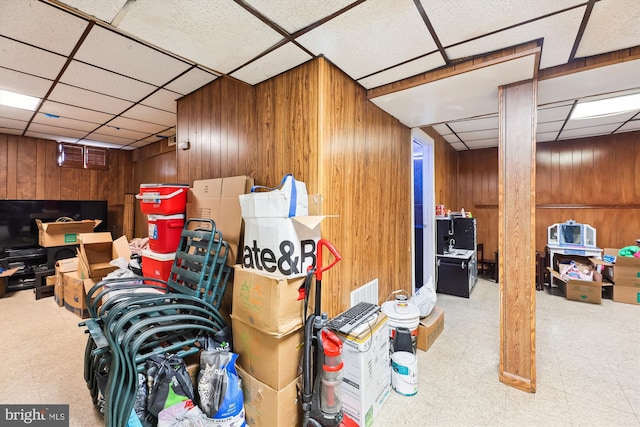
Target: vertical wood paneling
x=12 y=169
x=4 y=164
x=40 y=172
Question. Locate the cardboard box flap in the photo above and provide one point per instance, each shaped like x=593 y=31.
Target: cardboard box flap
x=84 y=226
x=9 y=272
x=627 y=261
x=121 y=248
x=309 y=221
x=94 y=238
x=67 y=265
x=235 y=185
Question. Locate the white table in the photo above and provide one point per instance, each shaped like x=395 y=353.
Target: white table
x=586 y=251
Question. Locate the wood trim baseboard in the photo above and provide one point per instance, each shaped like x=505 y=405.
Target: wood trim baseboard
x=568 y=206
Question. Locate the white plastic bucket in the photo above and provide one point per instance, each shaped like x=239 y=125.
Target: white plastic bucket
x=404 y=373
x=402 y=313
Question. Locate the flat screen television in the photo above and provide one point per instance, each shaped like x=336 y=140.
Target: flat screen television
x=18 y=227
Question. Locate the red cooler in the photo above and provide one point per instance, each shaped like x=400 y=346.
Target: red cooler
x=163 y=199
x=164 y=232
x=157 y=265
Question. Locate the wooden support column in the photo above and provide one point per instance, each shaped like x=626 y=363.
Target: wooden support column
x=516 y=245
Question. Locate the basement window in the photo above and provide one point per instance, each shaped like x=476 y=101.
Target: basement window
x=82 y=157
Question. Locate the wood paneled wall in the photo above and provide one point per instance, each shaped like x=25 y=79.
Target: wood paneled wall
x=315 y=122
x=29 y=171
x=446 y=172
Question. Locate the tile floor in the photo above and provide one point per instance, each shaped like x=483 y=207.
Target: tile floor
x=588 y=370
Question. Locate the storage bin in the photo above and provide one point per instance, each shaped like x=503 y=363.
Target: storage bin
x=164 y=232
x=163 y=199
x=157 y=265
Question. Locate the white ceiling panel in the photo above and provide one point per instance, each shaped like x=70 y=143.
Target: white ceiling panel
x=140 y=126
x=220 y=35
x=104 y=144
x=613 y=25
x=442 y=129
x=403 y=71
x=109 y=138
x=56 y=130
x=476 y=135
x=39 y=24
x=149 y=114
x=481 y=123
x=15 y=113
x=546 y=136
x=553 y=114
x=482 y=143
x=295 y=15
x=476 y=94
x=451 y=138
x=600 y=121
x=121 y=132
x=11 y=131
x=22 y=57
x=83 y=98
x=102 y=81
x=549 y=127
x=52 y=136
x=459 y=146
x=559 y=32
x=64 y=110
x=64 y=122
x=460 y=20
x=282 y=59
x=630 y=126
x=111 y=51
x=588 y=131
x=190 y=81
x=105 y=10
x=163 y=99
x=613 y=94
x=374 y=35
x=24 y=83
x=13 y=123
x=600 y=80
x=154 y=138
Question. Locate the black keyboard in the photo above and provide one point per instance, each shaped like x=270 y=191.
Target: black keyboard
x=348 y=320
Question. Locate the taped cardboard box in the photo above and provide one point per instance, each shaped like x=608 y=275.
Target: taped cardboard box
x=75 y=295
x=266 y=407
x=218 y=199
x=63 y=233
x=63 y=266
x=582 y=290
x=96 y=252
x=272 y=360
x=626 y=294
x=270 y=304
x=4 y=280
x=626 y=271
x=430 y=328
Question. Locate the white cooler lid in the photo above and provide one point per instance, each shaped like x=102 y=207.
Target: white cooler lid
x=158 y=257
x=164 y=217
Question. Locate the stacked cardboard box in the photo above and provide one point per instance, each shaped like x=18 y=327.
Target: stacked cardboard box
x=626 y=276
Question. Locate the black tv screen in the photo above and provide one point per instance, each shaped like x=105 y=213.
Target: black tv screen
x=18 y=227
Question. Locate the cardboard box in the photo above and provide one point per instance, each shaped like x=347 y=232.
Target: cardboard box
x=281 y=247
x=582 y=290
x=269 y=304
x=63 y=266
x=366 y=375
x=430 y=328
x=266 y=407
x=74 y=294
x=4 y=280
x=626 y=271
x=626 y=294
x=603 y=267
x=218 y=199
x=272 y=360
x=96 y=252
x=63 y=233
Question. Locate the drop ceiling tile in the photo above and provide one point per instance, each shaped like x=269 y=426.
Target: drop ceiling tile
x=549 y=127
x=11 y=131
x=600 y=121
x=480 y=123
x=284 y=58
x=102 y=81
x=21 y=57
x=459 y=146
x=630 y=126
x=137 y=125
x=64 y=122
x=69 y=111
x=103 y=144
x=482 y=143
x=86 y=99
x=372 y=36
x=613 y=78
x=144 y=142
x=98 y=137
x=294 y=16
x=56 y=130
x=553 y=114
x=460 y=20
x=23 y=83
x=149 y=114
x=104 y=10
x=442 y=129
x=121 y=133
x=53 y=137
x=15 y=113
x=613 y=25
x=190 y=81
x=546 y=136
x=40 y=24
x=559 y=32
x=155 y=138
x=111 y=51
x=163 y=99
x=451 y=138
x=588 y=131
x=220 y=35
x=404 y=71
x=613 y=94
x=13 y=123
x=477 y=135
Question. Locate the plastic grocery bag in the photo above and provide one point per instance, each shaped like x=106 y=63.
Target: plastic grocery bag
x=425 y=298
x=168 y=382
x=184 y=414
x=221 y=396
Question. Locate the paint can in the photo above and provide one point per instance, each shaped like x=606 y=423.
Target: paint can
x=402 y=313
x=404 y=373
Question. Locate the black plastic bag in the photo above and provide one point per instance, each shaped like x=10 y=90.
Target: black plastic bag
x=168 y=382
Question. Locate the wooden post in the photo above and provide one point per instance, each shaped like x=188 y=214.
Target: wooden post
x=516 y=244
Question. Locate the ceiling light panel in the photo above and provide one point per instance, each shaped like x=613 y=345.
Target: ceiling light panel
x=601 y=80
x=40 y=24
x=103 y=81
x=57 y=130
x=588 y=131
x=163 y=99
x=64 y=122
x=13 y=123
x=112 y=51
x=372 y=36
x=86 y=99
x=103 y=10
x=15 y=113
x=23 y=84
x=153 y=115
x=403 y=71
x=220 y=35
x=137 y=125
x=70 y=111
x=118 y=146
x=282 y=59
x=21 y=57
x=613 y=25
x=294 y=16
x=553 y=114
x=559 y=32
x=190 y=81
x=475 y=124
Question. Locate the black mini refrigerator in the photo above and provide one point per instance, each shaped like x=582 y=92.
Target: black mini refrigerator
x=456 y=263
x=456 y=275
